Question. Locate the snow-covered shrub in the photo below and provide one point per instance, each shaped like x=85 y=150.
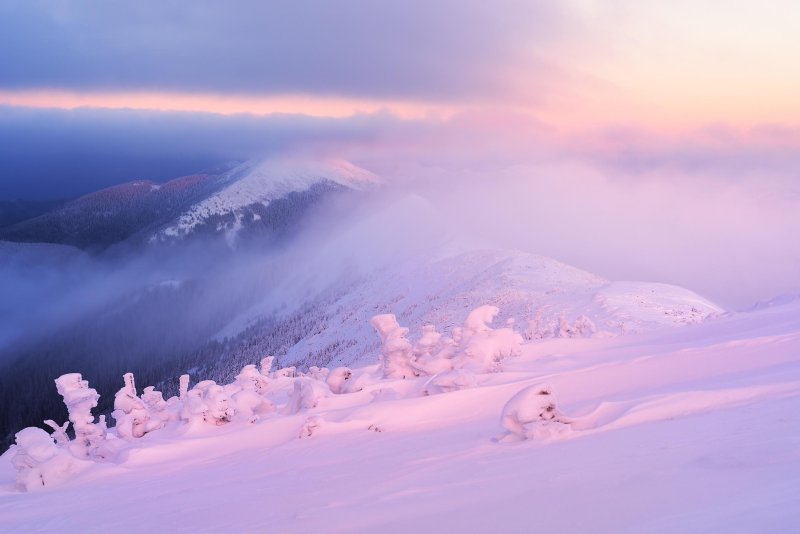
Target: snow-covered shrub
x=183 y=387
x=250 y=378
x=286 y=372
x=584 y=327
x=80 y=399
x=483 y=347
x=39 y=461
x=161 y=411
x=266 y=365
x=133 y=415
x=248 y=394
x=337 y=379
x=449 y=381
x=319 y=373
x=208 y=402
x=433 y=352
x=59 y=432
x=397 y=354
x=306 y=394
x=532 y=413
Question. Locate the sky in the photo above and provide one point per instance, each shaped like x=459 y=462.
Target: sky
x=689 y=100
x=72 y=74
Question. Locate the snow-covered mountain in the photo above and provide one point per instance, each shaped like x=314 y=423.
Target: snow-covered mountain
x=260 y=197
x=544 y=297
x=246 y=191
x=677 y=430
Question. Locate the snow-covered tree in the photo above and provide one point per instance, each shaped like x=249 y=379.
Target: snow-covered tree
x=483 y=347
x=584 y=327
x=80 y=399
x=433 y=352
x=318 y=373
x=338 y=379
x=306 y=394
x=532 y=413
x=39 y=461
x=208 y=402
x=132 y=415
x=397 y=354
x=249 y=394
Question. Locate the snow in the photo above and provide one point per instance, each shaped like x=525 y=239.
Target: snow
x=693 y=429
x=260 y=182
x=540 y=293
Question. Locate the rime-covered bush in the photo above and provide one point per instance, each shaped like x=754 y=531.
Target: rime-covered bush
x=318 y=373
x=208 y=402
x=433 y=352
x=249 y=394
x=338 y=379
x=306 y=394
x=584 y=327
x=397 y=354
x=133 y=415
x=532 y=413
x=483 y=347
x=80 y=400
x=39 y=461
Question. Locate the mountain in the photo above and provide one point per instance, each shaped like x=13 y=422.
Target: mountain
x=674 y=430
x=216 y=318
x=545 y=299
x=264 y=198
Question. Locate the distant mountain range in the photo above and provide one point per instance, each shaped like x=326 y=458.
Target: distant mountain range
x=254 y=198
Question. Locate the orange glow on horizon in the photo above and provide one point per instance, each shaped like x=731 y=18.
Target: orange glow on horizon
x=314 y=106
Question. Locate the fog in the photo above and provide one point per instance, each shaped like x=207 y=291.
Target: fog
x=721 y=221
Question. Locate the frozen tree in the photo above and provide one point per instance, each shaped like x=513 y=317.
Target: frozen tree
x=482 y=347
x=208 y=402
x=318 y=373
x=397 y=355
x=160 y=410
x=248 y=394
x=433 y=352
x=80 y=399
x=532 y=414
x=584 y=327
x=266 y=365
x=306 y=394
x=564 y=328
x=286 y=372
x=219 y=409
x=38 y=461
x=250 y=378
x=184 y=386
x=337 y=379
x=59 y=432
x=133 y=415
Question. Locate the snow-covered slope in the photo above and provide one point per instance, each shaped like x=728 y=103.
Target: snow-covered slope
x=681 y=430
x=259 y=183
x=546 y=298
